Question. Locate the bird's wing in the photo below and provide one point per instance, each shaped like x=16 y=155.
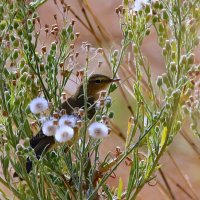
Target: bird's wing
x=36 y=139
x=43 y=144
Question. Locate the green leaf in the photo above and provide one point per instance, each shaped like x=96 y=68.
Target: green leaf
x=107 y=191
x=120 y=188
x=163 y=136
x=37 y=3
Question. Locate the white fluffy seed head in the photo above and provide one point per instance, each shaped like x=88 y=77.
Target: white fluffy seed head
x=98 y=130
x=38 y=105
x=64 y=133
x=48 y=128
x=68 y=120
x=139 y=4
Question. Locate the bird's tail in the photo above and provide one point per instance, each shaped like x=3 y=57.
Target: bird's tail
x=40 y=143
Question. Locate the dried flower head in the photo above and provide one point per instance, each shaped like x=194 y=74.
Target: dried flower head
x=49 y=128
x=69 y=120
x=98 y=130
x=64 y=133
x=38 y=105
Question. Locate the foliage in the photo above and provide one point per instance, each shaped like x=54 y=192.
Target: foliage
x=29 y=70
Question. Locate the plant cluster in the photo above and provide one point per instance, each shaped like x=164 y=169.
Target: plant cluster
x=32 y=80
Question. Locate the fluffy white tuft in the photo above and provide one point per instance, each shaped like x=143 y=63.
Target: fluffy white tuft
x=98 y=130
x=68 y=120
x=64 y=133
x=139 y=4
x=49 y=128
x=38 y=105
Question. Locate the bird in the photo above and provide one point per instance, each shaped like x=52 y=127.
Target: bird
x=96 y=83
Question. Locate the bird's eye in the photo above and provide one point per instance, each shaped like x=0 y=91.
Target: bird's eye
x=98 y=81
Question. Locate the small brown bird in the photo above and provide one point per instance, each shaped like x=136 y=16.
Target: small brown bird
x=96 y=83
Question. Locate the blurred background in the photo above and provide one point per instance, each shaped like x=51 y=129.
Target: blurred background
x=98 y=24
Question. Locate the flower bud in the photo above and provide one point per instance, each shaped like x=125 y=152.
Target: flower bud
x=147 y=8
x=111 y=115
x=147 y=31
x=28 y=80
x=26 y=142
x=154 y=19
x=183 y=60
x=161 y=41
x=156 y=4
x=160 y=27
x=16 y=43
x=176 y=93
x=165 y=15
x=173 y=55
x=23 y=77
x=130 y=34
x=19 y=32
x=115 y=53
x=19 y=147
x=98 y=118
x=168 y=45
x=15 y=54
x=160 y=5
x=135 y=49
x=157 y=129
x=2 y=25
x=134 y=17
x=15 y=24
x=173 y=66
x=148 y=17
x=53 y=46
x=168 y=106
x=159 y=81
x=191 y=58
x=166 y=80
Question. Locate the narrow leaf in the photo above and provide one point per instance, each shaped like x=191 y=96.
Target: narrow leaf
x=163 y=136
x=120 y=188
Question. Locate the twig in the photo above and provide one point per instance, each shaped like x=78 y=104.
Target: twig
x=191 y=143
x=181 y=188
x=166 y=183
x=182 y=175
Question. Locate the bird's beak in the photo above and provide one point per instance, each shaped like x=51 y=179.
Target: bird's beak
x=114 y=80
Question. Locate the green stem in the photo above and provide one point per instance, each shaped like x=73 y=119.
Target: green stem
x=123 y=156
x=178 y=7
x=85 y=82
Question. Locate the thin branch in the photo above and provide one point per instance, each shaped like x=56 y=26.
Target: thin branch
x=181 y=188
x=187 y=182
x=166 y=183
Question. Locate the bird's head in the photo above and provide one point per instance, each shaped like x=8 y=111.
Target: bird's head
x=97 y=83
